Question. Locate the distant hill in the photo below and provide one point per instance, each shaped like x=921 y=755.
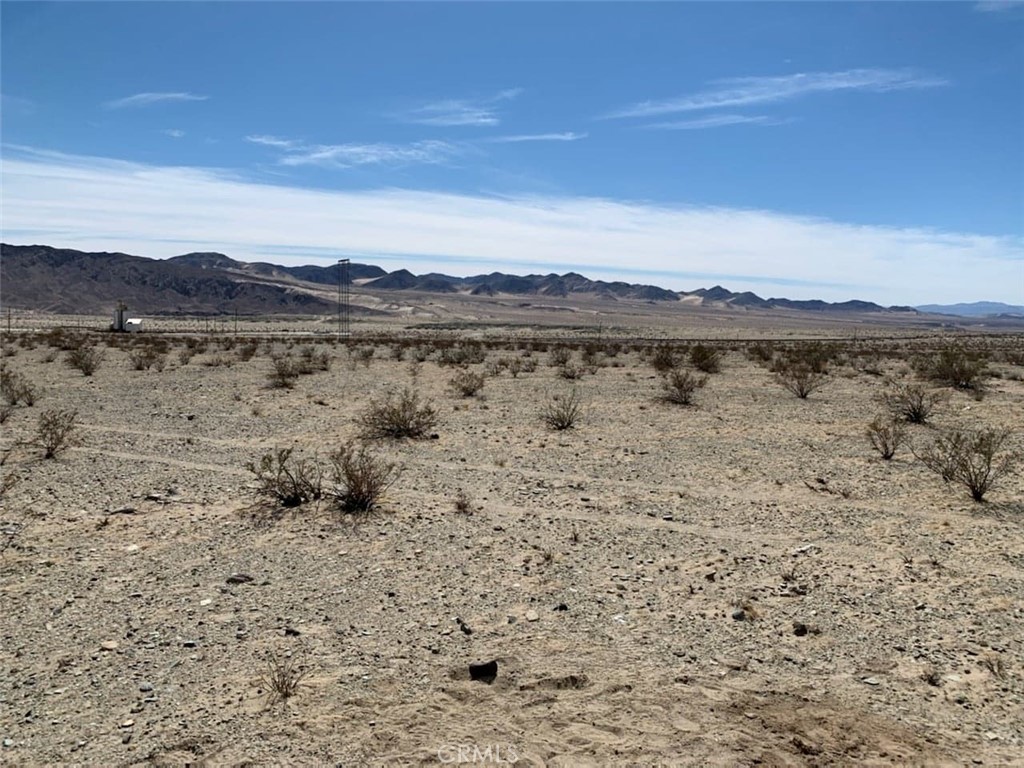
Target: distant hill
x=62 y=280
x=975 y=309
x=68 y=281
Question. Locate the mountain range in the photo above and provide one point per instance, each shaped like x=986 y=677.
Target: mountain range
x=61 y=280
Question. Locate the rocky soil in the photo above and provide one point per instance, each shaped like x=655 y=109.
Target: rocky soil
x=741 y=582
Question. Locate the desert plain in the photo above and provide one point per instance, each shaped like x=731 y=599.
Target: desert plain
x=740 y=581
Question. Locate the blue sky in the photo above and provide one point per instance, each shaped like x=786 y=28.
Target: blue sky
x=808 y=150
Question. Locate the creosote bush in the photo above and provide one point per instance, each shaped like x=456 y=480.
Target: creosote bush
x=558 y=357
x=954 y=366
x=145 y=357
x=57 y=430
x=679 y=386
x=664 y=358
x=15 y=388
x=283 y=482
x=467 y=383
x=283 y=373
x=911 y=402
x=359 y=478
x=974 y=459
x=85 y=357
x=563 y=411
x=706 y=359
x=402 y=415
x=886 y=434
x=800 y=378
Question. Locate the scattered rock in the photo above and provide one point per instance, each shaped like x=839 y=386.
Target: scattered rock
x=190 y=644
x=561 y=607
x=145 y=686
x=109 y=645
x=239 y=578
x=532 y=615
x=871 y=681
x=123 y=511
x=291 y=632
x=739 y=614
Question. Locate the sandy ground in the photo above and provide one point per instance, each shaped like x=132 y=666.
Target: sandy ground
x=604 y=568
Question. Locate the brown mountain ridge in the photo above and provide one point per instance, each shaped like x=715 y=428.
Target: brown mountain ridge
x=60 y=280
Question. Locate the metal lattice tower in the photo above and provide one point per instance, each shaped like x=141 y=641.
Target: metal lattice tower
x=344 y=299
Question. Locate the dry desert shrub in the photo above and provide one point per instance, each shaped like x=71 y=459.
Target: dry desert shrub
x=283 y=373
x=84 y=357
x=563 y=411
x=145 y=357
x=706 y=359
x=974 y=459
x=955 y=366
x=570 y=372
x=397 y=416
x=8 y=478
x=886 y=434
x=247 y=350
x=362 y=355
x=360 y=479
x=57 y=431
x=467 y=383
x=15 y=388
x=559 y=357
x=761 y=352
x=282 y=679
x=463 y=502
x=664 y=358
x=799 y=378
x=911 y=402
x=312 y=359
x=282 y=482
x=679 y=386
x=462 y=355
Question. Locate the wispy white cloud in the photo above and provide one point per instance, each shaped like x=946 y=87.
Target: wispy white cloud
x=174 y=133
x=99 y=204
x=349 y=155
x=274 y=141
x=716 y=121
x=10 y=103
x=745 y=91
x=565 y=136
x=995 y=6
x=146 y=99
x=460 y=112
x=339 y=156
